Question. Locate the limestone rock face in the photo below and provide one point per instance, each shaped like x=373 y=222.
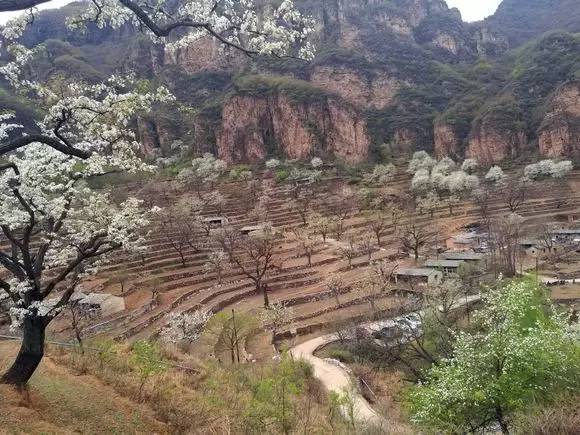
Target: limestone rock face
x=559 y=134
x=489 y=144
x=204 y=55
x=446 y=42
x=253 y=128
x=405 y=140
x=447 y=144
x=377 y=92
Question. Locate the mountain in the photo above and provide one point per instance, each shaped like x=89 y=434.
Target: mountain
x=522 y=20
x=389 y=77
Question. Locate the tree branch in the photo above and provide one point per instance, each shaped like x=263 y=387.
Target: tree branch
x=164 y=31
x=19 y=5
x=23 y=141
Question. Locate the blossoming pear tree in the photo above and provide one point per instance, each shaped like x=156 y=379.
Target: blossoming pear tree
x=522 y=353
x=249 y=26
x=56 y=230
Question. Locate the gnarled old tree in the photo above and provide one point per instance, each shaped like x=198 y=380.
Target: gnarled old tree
x=56 y=229
x=254 y=256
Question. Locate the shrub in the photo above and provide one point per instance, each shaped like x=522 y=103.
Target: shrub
x=281 y=176
x=342 y=355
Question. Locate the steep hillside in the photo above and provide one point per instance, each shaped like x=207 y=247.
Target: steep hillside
x=389 y=76
x=522 y=20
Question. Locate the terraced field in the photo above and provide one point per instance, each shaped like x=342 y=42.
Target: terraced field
x=183 y=289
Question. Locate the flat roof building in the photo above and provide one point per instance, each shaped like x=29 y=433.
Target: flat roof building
x=419 y=275
x=464 y=256
x=445 y=265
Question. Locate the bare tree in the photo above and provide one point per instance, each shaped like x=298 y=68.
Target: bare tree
x=506 y=233
x=513 y=194
x=321 y=225
x=414 y=238
x=121 y=277
x=348 y=251
x=302 y=203
x=340 y=207
x=306 y=243
x=375 y=284
x=366 y=246
x=228 y=238
x=335 y=286
x=79 y=318
x=254 y=255
x=380 y=226
x=179 y=229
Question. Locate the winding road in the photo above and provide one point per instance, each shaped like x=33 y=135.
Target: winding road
x=336 y=378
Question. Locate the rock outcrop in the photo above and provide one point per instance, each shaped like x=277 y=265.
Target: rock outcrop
x=377 y=92
x=447 y=144
x=559 y=134
x=489 y=143
x=252 y=128
x=204 y=55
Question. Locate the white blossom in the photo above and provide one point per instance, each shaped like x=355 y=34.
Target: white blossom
x=421 y=160
x=495 y=175
x=272 y=163
x=316 y=162
x=185 y=326
x=469 y=165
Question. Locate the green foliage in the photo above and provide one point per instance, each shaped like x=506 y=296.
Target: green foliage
x=504 y=113
x=281 y=175
x=146 y=360
x=262 y=86
x=342 y=57
x=76 y=68
x=540 y=68
x=522 y=20
x=236 y=171
x=273 y=397
x=523 y=353
x=342 y=355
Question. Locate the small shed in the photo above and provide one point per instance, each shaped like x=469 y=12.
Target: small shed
x=419 y=276
x=468 y=256
x=216 y=221
x=447 y=266
x=531 y=246
x=567 y=236
x=250 y=229
x=99 y=304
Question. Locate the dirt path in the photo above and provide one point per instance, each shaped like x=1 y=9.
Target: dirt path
x=336 y=377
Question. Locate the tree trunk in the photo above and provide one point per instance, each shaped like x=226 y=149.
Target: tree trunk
x=266 y=299
x=30 y=354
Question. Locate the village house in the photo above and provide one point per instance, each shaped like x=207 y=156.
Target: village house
x=467 y=256
x=446 y=266
x=416 y=276
x=216 y=222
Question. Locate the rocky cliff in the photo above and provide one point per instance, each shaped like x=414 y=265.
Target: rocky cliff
x=406 y=73
x=489 y=144
x=446 y=142
x=253 y=128
x=559 y=134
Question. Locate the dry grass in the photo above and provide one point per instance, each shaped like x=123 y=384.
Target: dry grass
x=562 y=418
x=99 y=393
x=59 y=401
